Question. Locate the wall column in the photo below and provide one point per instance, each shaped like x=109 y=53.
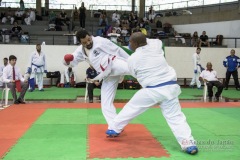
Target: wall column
x=39 y=7
x=141 y=8
x=133 y=5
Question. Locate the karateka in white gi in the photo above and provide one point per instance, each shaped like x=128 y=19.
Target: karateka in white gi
x=197 y=69
x=159 y=82
x=109 y=60
x=37 y=66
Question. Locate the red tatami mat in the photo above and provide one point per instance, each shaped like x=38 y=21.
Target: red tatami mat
x=135 y=136
x=14 y=122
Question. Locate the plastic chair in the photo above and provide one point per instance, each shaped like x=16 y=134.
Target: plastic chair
x=86 y=92
x=205 y=92
x=5 y=93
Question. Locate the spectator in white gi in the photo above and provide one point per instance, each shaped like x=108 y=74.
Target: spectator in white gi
x=69 y=77
x=197 y=69
x=37 y=66
x=109 y=60
x=159 y=81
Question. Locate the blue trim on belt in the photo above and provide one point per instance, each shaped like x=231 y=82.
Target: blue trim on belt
x=163 y=84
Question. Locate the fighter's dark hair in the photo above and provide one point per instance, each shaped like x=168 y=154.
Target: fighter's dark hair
x=82 y=33
x=5 y=58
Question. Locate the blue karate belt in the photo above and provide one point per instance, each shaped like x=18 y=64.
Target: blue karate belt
x=37 y=65
x=163 y=84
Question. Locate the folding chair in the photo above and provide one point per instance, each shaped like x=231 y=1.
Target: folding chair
x=205 y=92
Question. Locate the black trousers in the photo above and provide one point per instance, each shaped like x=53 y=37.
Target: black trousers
x=82 y=21
x=210 y=85
x=90 y=89
x=235 y=77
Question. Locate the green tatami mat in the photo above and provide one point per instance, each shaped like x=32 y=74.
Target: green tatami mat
x=54 y=93
x=61 y=134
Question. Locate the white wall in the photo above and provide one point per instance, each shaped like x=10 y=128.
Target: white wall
x=180 y=58
x=227 y=28
x=54 y=56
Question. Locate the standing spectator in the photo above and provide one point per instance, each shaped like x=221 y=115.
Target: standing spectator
x=82 y=15
x=5 y=63
x=22 y=7
x=16 y=30
x=12 y=74
x=197 y=69
x=8 y=16
x=204 y=40
x=37 y=66
x=232 y=63
x=91 y=74
x=75 y=14
x=209 y=76
x=151 y=14
x=195 y=39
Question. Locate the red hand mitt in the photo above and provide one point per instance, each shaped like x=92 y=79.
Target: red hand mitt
x=68 y=57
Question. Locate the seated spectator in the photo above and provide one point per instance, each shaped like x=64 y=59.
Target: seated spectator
x=195 y=39
x=177 y=37
x=116 y=17
x=209 y=76
x=16 y=30
x=124 y=18
x=70 y=77
x=218 y=41
x=103 y=21
x=133 y=20
x=63 y=17
x=91 y=74
x=151 y=14
x=114 y=35
x=8 y=16
x=141 y=23
x=124 y=31
x=52 y=17
x=204 y=40
x=20 y=15
x=30 y=16
x=12 y=75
